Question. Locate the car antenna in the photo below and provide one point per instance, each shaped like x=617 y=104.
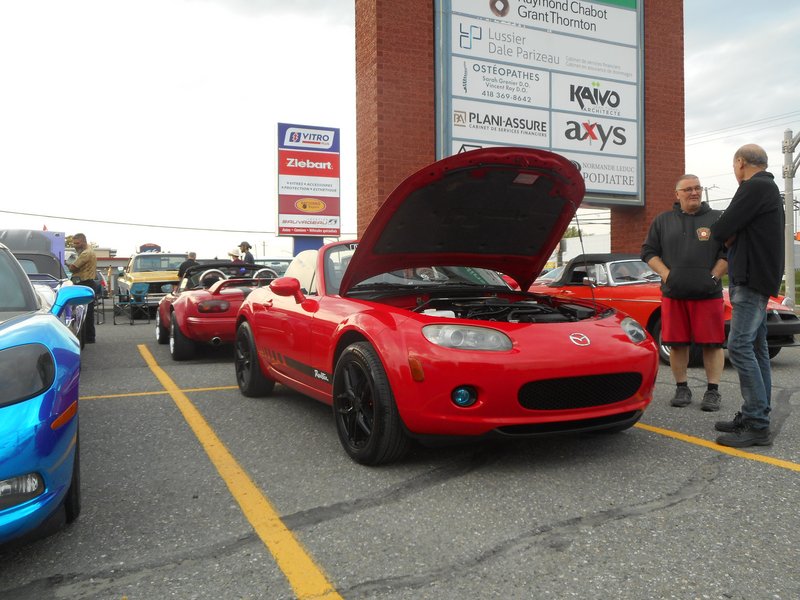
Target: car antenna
x=585 y=261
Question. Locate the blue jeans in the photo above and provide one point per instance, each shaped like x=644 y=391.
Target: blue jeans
x=748 y=352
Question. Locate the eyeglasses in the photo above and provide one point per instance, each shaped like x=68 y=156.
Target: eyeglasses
x=689 y=190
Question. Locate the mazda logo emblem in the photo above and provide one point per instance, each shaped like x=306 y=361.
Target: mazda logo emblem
x=579 y=339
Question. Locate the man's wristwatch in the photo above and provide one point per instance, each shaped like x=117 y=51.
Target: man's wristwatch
x=715 y=278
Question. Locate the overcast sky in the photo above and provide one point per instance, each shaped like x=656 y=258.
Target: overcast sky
x=165 y=112
x=741 y=65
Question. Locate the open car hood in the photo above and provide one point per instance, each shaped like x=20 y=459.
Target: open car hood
x=503 y=209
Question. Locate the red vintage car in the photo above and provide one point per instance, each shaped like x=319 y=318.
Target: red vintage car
x=413 y=334
x=202 y=309
x=628 y=284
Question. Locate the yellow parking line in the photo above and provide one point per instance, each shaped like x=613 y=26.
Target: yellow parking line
x=160 y=392
x=305 y=577
x=775 y=462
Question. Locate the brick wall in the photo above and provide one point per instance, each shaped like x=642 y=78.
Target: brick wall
x=394 y=97
x=395 y=118
x=664 y=123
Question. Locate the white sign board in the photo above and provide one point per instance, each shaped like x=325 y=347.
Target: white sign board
x=561 y=75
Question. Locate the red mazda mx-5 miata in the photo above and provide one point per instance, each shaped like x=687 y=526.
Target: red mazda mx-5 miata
x=412 y=332
x=202 y=309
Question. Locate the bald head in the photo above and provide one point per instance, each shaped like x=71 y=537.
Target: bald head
x=752 y=154
x=749 y=160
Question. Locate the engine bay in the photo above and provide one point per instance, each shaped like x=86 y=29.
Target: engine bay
x=507 y=310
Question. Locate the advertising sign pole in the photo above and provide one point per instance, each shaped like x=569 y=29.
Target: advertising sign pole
x=308 y=184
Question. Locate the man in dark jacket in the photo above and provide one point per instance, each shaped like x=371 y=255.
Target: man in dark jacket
x=753 y=229
x=190 y=261
x=680 y=249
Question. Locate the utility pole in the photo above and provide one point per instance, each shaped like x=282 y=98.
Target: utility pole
x=789 y=169
x=705 y=189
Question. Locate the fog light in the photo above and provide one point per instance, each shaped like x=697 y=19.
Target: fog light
x=20 y=489
x=464 y=396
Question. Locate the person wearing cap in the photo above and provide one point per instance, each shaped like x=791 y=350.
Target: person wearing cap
x=247 y=256
x=234 y=255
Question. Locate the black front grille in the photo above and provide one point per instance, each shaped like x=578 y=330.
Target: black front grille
x=579 y=392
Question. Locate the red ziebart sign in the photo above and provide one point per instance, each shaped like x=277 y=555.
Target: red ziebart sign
x=308 y=181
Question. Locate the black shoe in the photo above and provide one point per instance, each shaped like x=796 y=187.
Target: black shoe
x=88 y=341
x=711 y=401
x=730 y=426
x=682 y=397
x=746 y=436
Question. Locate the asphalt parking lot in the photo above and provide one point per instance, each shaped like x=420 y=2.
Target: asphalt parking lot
x=191 y=490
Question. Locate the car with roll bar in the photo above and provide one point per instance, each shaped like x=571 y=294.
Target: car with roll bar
x=202 y=308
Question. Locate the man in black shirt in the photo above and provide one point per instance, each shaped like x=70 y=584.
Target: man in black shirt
x=753 y=229
x=189 y=262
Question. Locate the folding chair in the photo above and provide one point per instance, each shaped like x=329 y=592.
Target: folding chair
x=99 y=309
x=132 y=303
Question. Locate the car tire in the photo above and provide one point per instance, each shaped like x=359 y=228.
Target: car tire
x=180 y=347
x=367 y=421
x=162 y=333
x=695 y=352
x=72 y=501
x=249 y=376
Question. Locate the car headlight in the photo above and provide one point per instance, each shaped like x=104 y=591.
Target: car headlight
x=25 y=371
x=467 y=337
x=633 y=330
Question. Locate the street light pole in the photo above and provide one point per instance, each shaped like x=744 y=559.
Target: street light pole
x=789 y=169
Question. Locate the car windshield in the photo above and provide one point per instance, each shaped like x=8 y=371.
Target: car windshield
x=16 y=292
x=158 y=262
x=631 y=270
x=551 y=275
x=41 y=263
x=279 y=265
x=338 y=258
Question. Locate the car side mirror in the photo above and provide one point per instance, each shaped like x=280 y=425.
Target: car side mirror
x=287 y=286
x=590 y=281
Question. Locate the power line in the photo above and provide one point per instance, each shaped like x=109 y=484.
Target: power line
x=740 y=130
x=747 y=123
x=128 y=224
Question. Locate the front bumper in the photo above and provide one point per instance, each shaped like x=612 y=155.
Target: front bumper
x=35 y=448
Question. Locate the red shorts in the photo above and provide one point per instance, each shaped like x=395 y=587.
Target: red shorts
x=698 y=321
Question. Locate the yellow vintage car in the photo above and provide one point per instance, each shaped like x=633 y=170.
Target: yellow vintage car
x=159 y=269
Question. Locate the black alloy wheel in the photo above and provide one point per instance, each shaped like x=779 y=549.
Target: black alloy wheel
x=249 y=376
x=367 y=421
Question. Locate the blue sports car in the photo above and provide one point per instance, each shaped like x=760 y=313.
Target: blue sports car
x=40 y=365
